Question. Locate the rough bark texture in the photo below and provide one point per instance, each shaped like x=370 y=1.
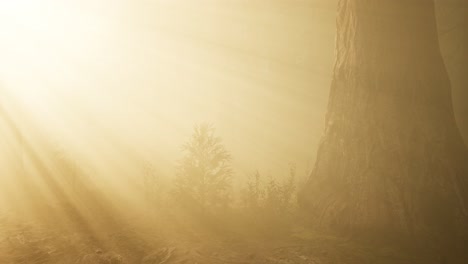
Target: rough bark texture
x=452 y=19
x=391 y=158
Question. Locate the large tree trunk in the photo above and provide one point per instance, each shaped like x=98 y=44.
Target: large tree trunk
x=391 y=158
x=452 y=19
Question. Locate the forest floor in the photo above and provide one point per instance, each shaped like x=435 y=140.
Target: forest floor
x=26 y=246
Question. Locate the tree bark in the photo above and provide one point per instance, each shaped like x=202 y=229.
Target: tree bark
x=391 y=157
x=452 y=19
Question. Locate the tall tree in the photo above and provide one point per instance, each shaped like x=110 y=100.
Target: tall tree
x=452 y=19
x=391 y=158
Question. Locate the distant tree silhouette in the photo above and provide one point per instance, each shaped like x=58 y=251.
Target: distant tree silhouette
x=203 y=178
x=273 y=196
x=268 y=202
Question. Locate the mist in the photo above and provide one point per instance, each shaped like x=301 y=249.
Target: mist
x=220 y=131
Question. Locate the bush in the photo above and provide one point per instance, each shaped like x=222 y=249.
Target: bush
x=270 y=205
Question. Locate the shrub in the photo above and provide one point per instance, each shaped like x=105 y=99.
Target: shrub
x=269 y=203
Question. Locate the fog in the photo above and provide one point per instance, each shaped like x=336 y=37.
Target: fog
x=107 y=105
x=146 y=72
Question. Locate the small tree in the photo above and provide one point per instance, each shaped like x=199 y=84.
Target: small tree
x=203 y=178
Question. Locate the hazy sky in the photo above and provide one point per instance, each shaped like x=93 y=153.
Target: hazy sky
x=133 y=77
x=122 y=80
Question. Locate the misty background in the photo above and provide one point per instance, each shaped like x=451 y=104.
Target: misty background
x=131 y=78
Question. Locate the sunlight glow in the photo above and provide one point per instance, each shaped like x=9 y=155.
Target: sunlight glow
x=41 y=39
x=120 y=82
